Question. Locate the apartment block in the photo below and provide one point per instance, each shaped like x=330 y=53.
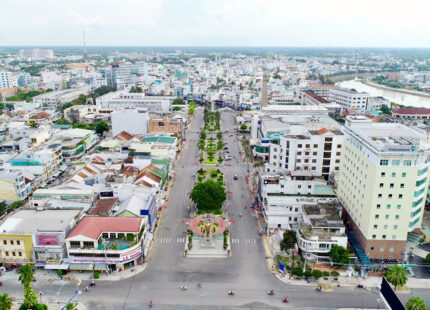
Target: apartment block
x=383 y=184
x=349 y=99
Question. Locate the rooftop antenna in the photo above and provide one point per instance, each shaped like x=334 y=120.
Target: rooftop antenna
x=85 y=48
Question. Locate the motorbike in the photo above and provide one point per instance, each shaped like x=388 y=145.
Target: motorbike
x=271 y=293
x=231 y=293
x=183 y=287
x=93 y=283
x=318 y=289
x=360 y=285
x=150 y=304
x=285 y=300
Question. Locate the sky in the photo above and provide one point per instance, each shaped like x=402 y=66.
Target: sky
x=308 y=23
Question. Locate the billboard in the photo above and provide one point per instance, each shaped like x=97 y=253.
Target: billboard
x=46 y=239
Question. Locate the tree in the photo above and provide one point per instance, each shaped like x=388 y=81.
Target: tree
x=338 y=254
x=5 y=302
x=396 y=275
x=25 y=274
x=101 y=127
x=15 y=205
x=136 y=89
x=208 y=196
x=243 y=127
x=71 y=306
x=10 y=106
x=416 y=303
x=288 y=241
x=385 y=109
x=32 y=124
x=427 y=260
x=73 y=115
x=103 y=90
x=30 y=297
x=178 y=101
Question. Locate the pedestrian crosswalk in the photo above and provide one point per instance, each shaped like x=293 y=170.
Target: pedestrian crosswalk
x=181 y=240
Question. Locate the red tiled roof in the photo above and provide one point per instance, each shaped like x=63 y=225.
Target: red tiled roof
x=322 y=131
x=93 y=226
x=316 y=97
x=412 y=111
x=320 y=85
x=124 y=136
x=102 y=207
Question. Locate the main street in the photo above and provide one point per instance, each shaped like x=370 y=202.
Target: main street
x=245 y=272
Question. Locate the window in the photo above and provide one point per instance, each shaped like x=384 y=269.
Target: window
x=13 y=254
x=373 y=236
x=395 y=227
x=337 y=153
x=378 y=206
x=381 y=249
x=339 y=146
x=382 y=174
x=397 y=217
x=19 y=254
x=306 y=153
x=308 y=146
x=391 y=185
x=395 y=162
x=299 y=145
x=379 y=195
x=4 y=242
x=388 y=206
x=393 y=237
x=315 y=168
x=390 y=196
x=18 y=242
x=383 y=162
x=407 y=162
x=299 y=153
x=6 y=253
x=337 y=161
x=298 y=161
x=11 y=242
x=372 y=248
x=387 y=216
x=299 y=186
x=375 y=226
x=376 y=216
x=385 y=226
x=381 y=185
x=384 y=237
x=399 y=207
x=400 y=196
x=403 y=174
x=314 y=161
x=391 y=249
x=402 y=185
x=314 y=153
x=315 y=145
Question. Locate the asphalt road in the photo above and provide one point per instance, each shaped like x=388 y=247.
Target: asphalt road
x=245 y=272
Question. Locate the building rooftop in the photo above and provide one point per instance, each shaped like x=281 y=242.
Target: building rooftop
x=408 y=111
x=102 y=207
x=323 y=215
x=93 y=226
x=159 y=139
x=30 y=221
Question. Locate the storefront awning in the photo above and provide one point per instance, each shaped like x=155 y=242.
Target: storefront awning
x=100 y=267
x=78 y=266
x=39 y=265
x=63 y=266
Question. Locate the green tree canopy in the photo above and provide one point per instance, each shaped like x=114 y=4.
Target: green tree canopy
x=243 y=127
x=416 y=303
x=338 y=254
x=385 y=109
x=396 y=275
x=15 y=205
x=5 y=302
x=102 y=90
x=288 y=241
x=25 y=273
x=178 y=101
x=136 y=89
x=208 y=196
x=427 y=260
x=101 y=127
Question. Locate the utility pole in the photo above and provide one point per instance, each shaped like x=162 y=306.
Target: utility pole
x=85 y=48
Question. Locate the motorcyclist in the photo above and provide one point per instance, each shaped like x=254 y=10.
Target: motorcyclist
x=240 y=214
x=231 y=292
x=184 y=287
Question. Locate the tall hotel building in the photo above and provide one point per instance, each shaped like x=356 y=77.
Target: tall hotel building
x=383 y=184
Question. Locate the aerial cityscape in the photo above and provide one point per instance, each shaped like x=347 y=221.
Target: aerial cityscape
x=214 y=155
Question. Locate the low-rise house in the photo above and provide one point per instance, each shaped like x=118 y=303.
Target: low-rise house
x=322 y=228
x=164 y=124
x=36 y=235
x=14 y=186
x=106 y=243
x=75 y=141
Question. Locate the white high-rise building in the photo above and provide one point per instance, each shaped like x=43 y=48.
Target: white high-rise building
x=349 y=99
x=6 y=80
x=383 y=184
x=313 y=152
x=133 y=121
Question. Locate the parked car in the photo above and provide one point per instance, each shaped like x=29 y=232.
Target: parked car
x=235 y=177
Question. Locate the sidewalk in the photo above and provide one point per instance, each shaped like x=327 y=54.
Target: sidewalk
x=370 y=282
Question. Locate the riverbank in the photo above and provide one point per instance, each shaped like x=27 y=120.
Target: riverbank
x=399 y=90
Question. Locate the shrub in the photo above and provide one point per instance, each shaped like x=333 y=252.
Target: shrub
x=335 y=273
x=326 y=273
x=298 y=272
x=317 y=274
x=59 y=272
x=96 y=275
x=308 y=273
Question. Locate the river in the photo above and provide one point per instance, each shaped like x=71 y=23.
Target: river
x=392 y=95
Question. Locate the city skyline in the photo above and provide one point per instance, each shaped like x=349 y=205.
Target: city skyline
x=241 y=23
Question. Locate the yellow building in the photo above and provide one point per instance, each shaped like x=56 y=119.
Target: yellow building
x=13 y=186
x=383 y=184
x=15 y=248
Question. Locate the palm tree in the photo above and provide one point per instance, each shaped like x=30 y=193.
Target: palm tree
x=416 y=303
x=5 y=302
x=396 y=275
x=25 y=274
x=69 y=306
